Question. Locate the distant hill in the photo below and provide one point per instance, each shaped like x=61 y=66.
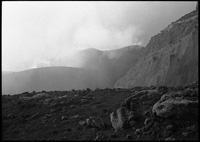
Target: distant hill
x=109 y=65
x=48 y=79
x=99 y=69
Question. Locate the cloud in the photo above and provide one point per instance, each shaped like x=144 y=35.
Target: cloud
x=35 y=32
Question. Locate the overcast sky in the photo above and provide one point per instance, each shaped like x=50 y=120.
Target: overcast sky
x=35 y=33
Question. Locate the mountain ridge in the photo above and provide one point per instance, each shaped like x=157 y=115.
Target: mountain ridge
x=98 y=70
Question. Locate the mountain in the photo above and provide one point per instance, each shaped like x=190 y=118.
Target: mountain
x=97 y=69
x=7 y=72
x=170 y=58
x=110 y=65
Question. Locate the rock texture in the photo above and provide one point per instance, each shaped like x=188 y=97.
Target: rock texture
x=50 y=115
x=170 y=105
x=170 y=58
x=118 y=119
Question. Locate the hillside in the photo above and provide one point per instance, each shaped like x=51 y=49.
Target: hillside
x=170 y=58
x=97 y=69
x=110 y=65
x=49 y=79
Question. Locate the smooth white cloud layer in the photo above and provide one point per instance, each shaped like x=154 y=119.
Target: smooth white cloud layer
x=34 y=33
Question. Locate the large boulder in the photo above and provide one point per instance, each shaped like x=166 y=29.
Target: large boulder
x=119 y=118
x=170 y=105
x=131 y=103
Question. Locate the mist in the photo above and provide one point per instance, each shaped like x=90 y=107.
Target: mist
x=39 y=34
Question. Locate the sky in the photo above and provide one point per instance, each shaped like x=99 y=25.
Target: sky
x=35 y=33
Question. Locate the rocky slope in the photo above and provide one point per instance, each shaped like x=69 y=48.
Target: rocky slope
x=140 y=113
x=170 y=58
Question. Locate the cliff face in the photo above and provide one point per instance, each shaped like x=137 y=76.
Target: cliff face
x=170 y=58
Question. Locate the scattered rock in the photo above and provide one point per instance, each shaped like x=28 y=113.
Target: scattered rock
x=75 y=116
x=100 y=136
x=49 y=112
x=147 y=121
x=46 y=101
x=186 y=134
x=64 y=118
x=170 y=139
x=95 y=122
x=128 y=137
x=138 y=131
x=133 y=123
x=88 y=122
x=192 y=128
x=82 y=123
x=145 y=128
x=169 y=127
x=112 y=135
x=148 y=133
x=167 y=133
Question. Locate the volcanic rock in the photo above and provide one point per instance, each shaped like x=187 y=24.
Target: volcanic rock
x=170 y=105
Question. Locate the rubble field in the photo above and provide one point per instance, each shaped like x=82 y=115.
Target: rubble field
x=139 y=113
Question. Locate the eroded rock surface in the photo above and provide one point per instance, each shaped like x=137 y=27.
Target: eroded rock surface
x=170 y=58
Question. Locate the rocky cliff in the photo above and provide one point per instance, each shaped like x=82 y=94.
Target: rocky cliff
x=170 y=58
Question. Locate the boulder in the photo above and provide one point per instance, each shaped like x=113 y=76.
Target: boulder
x=169 y=106
x=82 y=123
x=186 y=134
x=119 y=118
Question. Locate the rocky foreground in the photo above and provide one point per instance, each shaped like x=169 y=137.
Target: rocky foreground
x=139 y=113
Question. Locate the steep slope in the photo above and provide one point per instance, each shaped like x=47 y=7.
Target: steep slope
x=48 y=79
x=170 y=58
